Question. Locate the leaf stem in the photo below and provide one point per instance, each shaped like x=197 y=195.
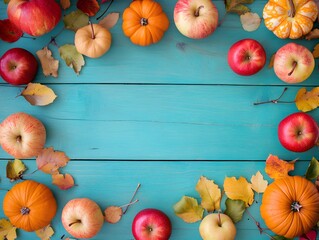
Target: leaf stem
x=138 y=186
x=277 y=100
x=129 y=204
x=105 y=10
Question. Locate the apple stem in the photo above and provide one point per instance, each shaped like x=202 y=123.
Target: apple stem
x=105 y=10
x=219 y=219
x=292 y=11
x=196 y=14
x=77 y=221
x=294 y=65
x=277 y=100
x=138 y=186
x=92 y=29
x=129 y=204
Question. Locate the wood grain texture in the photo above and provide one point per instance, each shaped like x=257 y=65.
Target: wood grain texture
x=162 y=185
x=161 y=122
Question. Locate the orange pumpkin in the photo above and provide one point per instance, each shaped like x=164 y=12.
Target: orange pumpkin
x=92 y=40
x=29 y=205
x=290 y=206
x=290 y=18
x=144 y=22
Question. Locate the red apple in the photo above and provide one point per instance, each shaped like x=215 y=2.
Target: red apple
x=293 y=63
x=9 y=32
x=298 y=132
x=246 y=57
x=217 y=226
x=22 y=135
x=18 y=66
x=82 y=218
x=34 y=17
x=151 y=224
x=196 y=18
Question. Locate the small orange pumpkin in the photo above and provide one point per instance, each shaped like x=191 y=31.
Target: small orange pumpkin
x=29 y=205
x=290 y=18
x=144 y=22
x=92 y=40
x=290 y=206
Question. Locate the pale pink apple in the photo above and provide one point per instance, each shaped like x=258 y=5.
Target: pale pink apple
x=22 y=135
x=82 y=218
x=293 y=63
x=196 y=18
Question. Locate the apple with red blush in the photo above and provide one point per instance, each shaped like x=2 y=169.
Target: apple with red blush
x=293 y=63
x=150 y=224
x=22 y=135
x=298 y=132
x=34 y=17
x=246 y=57
x=18 y=66
x=82 y=218
x=196 y=18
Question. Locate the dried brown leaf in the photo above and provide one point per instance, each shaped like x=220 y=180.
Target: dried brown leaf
x=113 y=214
x=49 y=65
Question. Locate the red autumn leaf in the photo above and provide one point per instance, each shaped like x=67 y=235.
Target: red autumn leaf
x=49 y=160
x=9 y=32
x=277 y=168
x=89 y=7
x=64 y=182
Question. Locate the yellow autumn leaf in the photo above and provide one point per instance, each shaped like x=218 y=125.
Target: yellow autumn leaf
x=7 y=230
x=210 y=194
x=315 y=51
x=258 y=183
x=271 y=62
x=188 y=209
x=239 y=190
x=49 y=65
x=38 y=94
x=307 y=101
x=45 y=233
x=15 y=169
x=277 y=168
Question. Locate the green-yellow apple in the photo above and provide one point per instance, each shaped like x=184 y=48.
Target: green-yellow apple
x=34 y=17
x=217 y=226
x=293 y=63
x=22 y=135
x=195 y=18
x=82 y=218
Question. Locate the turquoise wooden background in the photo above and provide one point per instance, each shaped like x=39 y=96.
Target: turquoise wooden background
x=161 y=116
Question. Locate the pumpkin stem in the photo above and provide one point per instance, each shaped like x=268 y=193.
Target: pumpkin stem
x=77 y=221
x=196 y=14
x=294 y=65
x=25 y=211
x=92 y=29
x=292 y=11
x=144 y=21
x=295 y=206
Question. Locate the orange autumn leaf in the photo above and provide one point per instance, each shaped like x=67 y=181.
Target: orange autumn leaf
x=307 y=100
x=239 y=190
x=271 y=62
x=277 y=168
x=64 y=182
x=65 y=4
x=49 y=160
x=315 y=51
x=113 y=214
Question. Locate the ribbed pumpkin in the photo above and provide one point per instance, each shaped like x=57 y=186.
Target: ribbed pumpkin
x=290 y=18
x=29 y=205
x=92 y=40
x=290 y=206
x=144 y=22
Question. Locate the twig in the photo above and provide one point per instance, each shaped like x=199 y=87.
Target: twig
x=126 y=208
x=105 y=10
x=277 y=100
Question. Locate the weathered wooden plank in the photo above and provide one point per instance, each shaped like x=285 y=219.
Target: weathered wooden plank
x=200 y=62
x=162 y=185
x=161 y=122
